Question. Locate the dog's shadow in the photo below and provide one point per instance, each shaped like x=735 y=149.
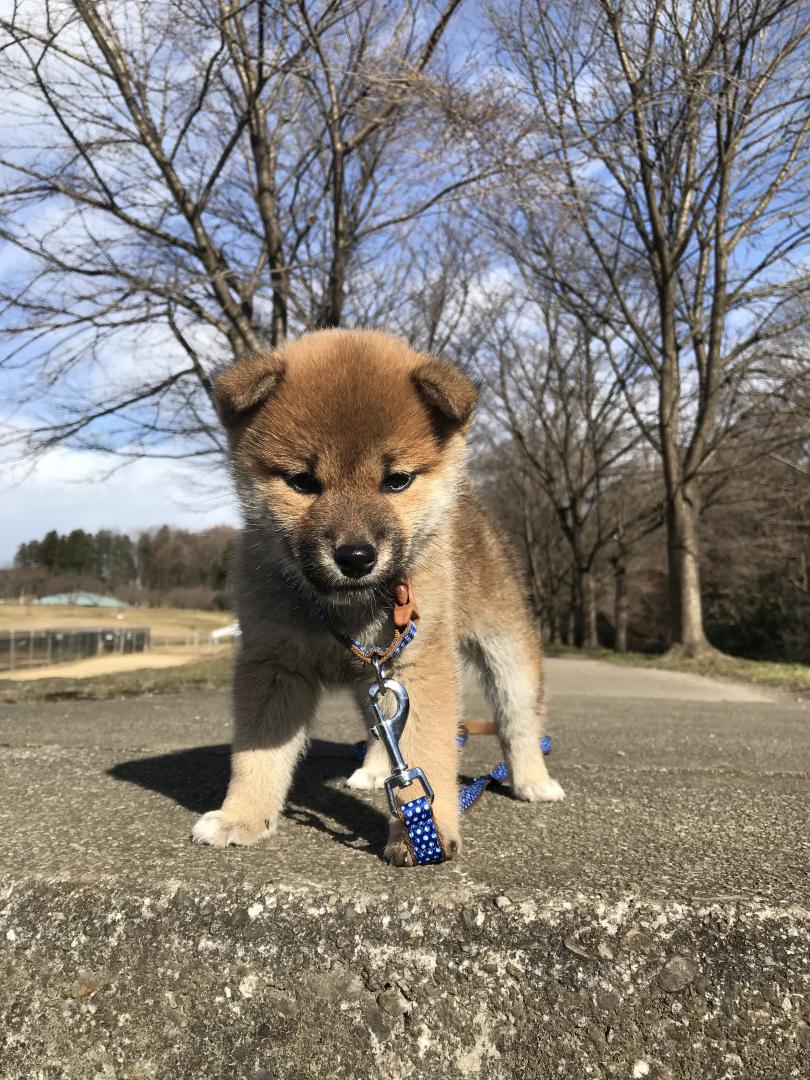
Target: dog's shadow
x=197 y=779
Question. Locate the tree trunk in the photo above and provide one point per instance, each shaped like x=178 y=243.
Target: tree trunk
x=535 y=575
x=687 y=637
x=332 y=313
x=683 y=506
x=587 y=635
x=333 y=305
x=278 y=327
x=620 y=603
x=570 y=630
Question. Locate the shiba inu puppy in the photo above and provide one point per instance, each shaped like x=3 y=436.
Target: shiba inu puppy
x=348 y=454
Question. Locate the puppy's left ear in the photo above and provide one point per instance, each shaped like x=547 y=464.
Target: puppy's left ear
x=447 y=390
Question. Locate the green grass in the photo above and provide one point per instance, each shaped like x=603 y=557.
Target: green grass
x=794 y=678
x=211 y=674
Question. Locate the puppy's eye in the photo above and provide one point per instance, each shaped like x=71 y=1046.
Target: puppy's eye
x=303 y=483
x=397 y=481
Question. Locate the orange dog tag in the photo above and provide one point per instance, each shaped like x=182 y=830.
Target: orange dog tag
x=404 y=605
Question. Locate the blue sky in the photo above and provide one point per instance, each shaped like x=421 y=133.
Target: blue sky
x=70 y=487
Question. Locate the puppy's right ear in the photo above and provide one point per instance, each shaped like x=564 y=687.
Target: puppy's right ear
x=245 y=384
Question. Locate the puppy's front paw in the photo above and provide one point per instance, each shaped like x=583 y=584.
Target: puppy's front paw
x=363 y=779
x=397 y=852
x=216 y=829
x=547 y=790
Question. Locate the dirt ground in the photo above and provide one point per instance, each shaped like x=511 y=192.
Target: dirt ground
x=162 y=622
x=103 y=665
x=117 y=662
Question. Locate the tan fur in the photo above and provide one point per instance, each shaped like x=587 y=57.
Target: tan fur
x=350 y=407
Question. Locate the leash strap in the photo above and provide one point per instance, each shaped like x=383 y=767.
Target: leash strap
x=421 y=836
x=416 y=817
x=468 y=794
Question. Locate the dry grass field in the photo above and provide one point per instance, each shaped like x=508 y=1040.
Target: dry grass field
x=178 y=637
x=212 y=671
x=162 y=622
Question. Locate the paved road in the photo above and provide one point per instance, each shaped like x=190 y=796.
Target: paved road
x=657 y=919
x=571 y=677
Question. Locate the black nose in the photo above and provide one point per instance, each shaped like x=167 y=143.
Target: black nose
x=355 y=560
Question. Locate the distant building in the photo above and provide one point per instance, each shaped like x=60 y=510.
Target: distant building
x=82 y=599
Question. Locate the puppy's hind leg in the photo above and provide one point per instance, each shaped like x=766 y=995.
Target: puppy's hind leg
x=372 y=772
x=511 y=664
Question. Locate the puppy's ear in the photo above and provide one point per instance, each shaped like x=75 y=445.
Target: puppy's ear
x=450 y=394
x=245 y=384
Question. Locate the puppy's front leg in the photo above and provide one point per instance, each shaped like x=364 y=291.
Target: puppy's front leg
x=429 y=742
x=272 y=710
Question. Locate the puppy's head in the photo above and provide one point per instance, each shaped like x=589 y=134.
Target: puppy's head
x=349 y=445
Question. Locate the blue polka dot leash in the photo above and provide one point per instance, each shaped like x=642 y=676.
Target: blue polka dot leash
x=470 y=793
x=416 y=816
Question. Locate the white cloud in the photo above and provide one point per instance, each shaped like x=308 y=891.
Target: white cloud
x=70 y=489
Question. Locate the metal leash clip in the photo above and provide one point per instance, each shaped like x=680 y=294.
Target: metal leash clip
x=388 y=730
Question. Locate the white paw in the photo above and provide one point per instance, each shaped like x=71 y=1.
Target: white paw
x=539 y=791
x=219 y=831
x=365 y=779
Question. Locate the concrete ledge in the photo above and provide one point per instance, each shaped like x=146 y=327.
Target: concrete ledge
x=656 y=923
x=104 y=982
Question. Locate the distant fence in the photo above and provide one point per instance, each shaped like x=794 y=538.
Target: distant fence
x=194 y=639
x=34 y=648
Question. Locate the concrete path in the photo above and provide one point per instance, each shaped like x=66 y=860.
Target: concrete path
x=572 y=677
x=654 y=924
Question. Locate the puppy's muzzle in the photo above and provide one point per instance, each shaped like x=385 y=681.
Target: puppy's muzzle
x=356 y=559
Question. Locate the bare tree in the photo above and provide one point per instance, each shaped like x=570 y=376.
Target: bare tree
x=553 y=392
x=679 y=133
x=528 y=517
x=189 y=180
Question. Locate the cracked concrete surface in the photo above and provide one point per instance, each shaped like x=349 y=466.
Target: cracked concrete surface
x=654 y=924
